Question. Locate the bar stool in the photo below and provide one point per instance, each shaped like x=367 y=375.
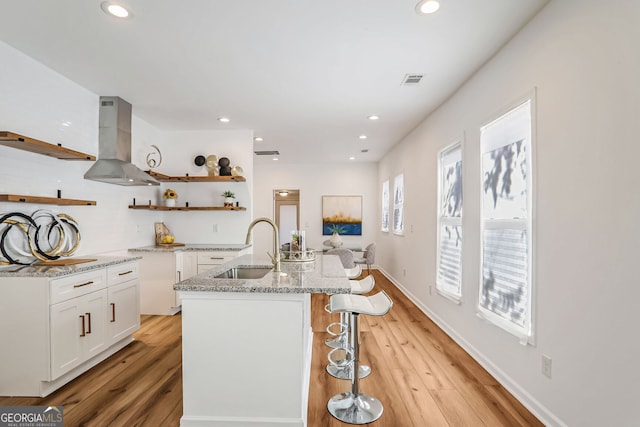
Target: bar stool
x=353 y=407
x=341 y=369
x=339 y=340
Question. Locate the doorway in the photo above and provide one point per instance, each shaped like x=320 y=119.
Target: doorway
x=287 y=213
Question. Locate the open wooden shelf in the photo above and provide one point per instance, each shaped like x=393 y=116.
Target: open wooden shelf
x=188 y=208
x=167 y=178
x=45 y=200
x=25 y=143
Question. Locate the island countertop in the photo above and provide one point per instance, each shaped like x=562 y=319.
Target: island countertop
x=323 y=275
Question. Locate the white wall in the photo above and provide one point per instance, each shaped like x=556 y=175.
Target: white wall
x=35 y=101
x=179 y=150
x=314 y=181
x=583 y=59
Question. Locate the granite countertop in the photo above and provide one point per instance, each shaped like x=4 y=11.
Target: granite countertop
x=323 y=275
x=193 y=247
x=63 y=270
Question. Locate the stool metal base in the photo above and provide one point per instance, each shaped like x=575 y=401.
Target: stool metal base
x=344 y=373
x=360 y=409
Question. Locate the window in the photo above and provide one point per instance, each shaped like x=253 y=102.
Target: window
x=449 y=252
x=385 y=207
x=506 y=285
x=398 y=205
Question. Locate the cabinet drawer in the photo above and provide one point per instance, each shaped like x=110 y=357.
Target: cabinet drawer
x=121 y=273
x=76 y=285
x=214 y=258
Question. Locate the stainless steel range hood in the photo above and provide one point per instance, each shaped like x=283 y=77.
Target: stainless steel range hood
x=114 y=147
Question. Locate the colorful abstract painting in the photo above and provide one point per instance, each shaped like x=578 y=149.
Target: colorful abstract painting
x=342 y=214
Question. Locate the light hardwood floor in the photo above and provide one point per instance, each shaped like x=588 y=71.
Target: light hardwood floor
x=421 y=376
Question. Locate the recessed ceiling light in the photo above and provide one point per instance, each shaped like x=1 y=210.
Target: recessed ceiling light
x=352 y=158
x=373 y=117
x=258 y=139
x=283 y=193
x=363 y=137
x=114 y=9
x=275 y=158
x=427 y=6
x=224 y=119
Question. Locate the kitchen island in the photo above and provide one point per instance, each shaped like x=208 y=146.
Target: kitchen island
x=246 y=343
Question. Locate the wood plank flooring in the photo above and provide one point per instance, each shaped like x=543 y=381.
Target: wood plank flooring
x=420 y=375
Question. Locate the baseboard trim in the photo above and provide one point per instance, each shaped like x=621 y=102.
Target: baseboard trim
x=195 y=421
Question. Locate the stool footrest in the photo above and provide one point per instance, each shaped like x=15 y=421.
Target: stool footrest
x=348 y=358
x=343 y=328
x=337 y=342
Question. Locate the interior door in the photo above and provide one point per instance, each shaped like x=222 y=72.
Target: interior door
x=287 y=213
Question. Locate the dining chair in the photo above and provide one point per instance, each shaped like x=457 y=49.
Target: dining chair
x=368 y=256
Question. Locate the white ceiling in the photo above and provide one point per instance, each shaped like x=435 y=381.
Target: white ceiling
x=303 y=75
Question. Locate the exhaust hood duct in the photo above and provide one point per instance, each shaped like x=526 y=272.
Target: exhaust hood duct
x=114 y=147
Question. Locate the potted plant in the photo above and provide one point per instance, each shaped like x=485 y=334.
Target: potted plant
x=170 y=197
x=229 y=197
x=335 y=239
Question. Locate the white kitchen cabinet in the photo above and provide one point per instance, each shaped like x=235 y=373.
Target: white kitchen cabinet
x=58 y=325
x=124 y=310
x=160 y=270
x=210 y=259
x=158 y=274
x=78 y=331
x=189 y=265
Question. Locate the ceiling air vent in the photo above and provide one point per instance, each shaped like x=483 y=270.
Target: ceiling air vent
x=267 y=153
x=412 y=79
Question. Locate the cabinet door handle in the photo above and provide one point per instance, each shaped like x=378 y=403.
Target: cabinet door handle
x=126 y=272
x=113 y=312
x=89 y=322
x=216 y=257
x=83 y=327
x=90 y=282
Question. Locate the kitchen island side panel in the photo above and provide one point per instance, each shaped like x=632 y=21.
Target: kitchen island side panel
x=246 y=359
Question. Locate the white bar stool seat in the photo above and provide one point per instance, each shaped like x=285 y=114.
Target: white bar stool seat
x=362 y=286
x=354 y=272
x=354 y=407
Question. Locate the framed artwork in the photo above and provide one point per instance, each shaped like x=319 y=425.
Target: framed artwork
x=398 y=205
x=384 y=226
x=342 y=214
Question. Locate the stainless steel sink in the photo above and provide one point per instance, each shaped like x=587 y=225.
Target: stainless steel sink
x=244 y=273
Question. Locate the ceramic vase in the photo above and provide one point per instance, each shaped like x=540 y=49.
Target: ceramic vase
x=335 y=240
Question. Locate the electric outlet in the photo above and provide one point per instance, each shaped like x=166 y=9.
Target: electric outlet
x=214 y=228
x=404 y=272
x=430 y=290
x=139 y=228
x=546 y=366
